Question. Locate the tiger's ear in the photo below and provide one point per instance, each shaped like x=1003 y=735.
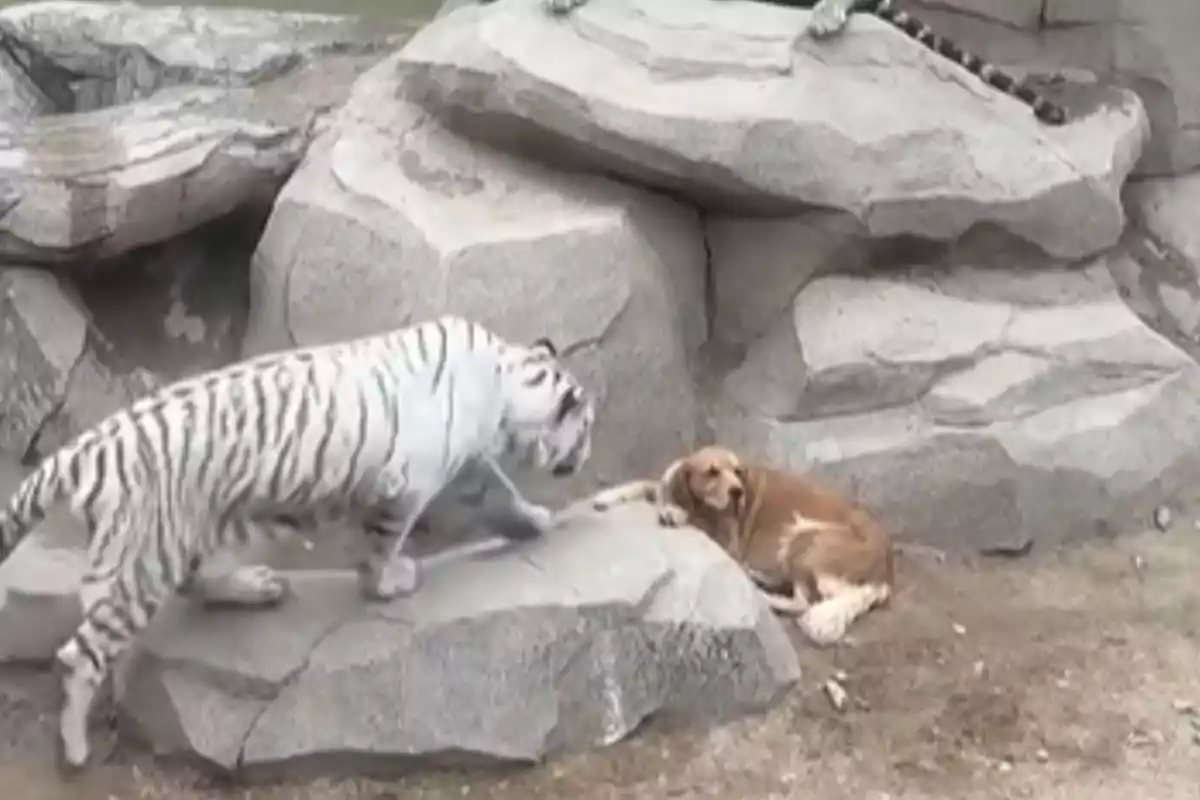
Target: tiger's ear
x=544 y=344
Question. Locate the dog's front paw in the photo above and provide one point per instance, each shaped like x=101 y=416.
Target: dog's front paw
x=672 y=517
x=824 y=624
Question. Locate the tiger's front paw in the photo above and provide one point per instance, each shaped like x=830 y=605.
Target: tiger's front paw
x=672 y=517
x=561 y=6
x=382 y=582
x=827 y=19
x=531 y=522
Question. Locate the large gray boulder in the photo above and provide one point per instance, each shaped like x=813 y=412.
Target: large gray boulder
x=716 y=101
x=975 y=409
x=391 y=218
x=505 y=656
x=127 y=125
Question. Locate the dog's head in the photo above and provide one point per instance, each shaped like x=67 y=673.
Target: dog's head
x=712 y=479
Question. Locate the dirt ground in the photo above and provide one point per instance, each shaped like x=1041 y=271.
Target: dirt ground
x=1063 y=675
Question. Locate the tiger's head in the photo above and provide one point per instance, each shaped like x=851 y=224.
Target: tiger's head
x=548 y=414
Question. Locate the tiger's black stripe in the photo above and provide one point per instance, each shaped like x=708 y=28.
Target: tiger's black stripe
x=1048 y=112
x=376 y=426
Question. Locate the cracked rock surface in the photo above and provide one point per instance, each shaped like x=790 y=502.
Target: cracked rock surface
x=391 y=218
x=127 y=125
x=976 y=410
x=717 y=102
x=508 y=655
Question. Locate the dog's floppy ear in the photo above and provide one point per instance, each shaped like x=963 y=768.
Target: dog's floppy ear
x=742 y=472
x=677 y=488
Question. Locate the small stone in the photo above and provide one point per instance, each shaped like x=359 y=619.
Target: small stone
x=1042 y=755
x=1162 y=518
x=1184 y=706
x=836 y=694
x=958 y=629
x=841 y=676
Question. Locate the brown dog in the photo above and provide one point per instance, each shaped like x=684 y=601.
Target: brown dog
x=783 y=529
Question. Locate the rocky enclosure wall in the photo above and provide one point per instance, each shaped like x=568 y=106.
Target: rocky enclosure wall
x=1144 y=46
x=848 y=256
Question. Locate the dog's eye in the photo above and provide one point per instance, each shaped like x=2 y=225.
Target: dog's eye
x=712 y=472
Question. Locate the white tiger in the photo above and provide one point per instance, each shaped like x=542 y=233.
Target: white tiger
x=372 y=428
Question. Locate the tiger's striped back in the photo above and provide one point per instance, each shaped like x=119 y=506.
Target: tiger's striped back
x=1048 y=112
x=319 y=426
x=377 y=426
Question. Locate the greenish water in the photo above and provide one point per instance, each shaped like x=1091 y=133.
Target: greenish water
x=405 y=9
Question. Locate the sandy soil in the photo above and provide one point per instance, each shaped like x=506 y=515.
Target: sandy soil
x=1055 y=676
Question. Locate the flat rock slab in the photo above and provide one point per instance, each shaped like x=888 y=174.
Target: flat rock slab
x=151 y=121
x=392 y=218
x=717 y=101
x=505 y=655
x=974 y=410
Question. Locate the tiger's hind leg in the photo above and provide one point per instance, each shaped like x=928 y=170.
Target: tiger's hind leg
x=829 y=18
x=224 y=579
x=117 y=611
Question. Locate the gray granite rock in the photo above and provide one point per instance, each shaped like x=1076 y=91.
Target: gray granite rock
x=142 y=122
x=718 y=102
x=505 y=655
x=974 y=410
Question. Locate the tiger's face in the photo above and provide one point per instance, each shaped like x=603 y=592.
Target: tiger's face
x=550 y=415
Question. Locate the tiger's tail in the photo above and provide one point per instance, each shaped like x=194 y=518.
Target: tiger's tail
x=1048 y=112
x=41 y=489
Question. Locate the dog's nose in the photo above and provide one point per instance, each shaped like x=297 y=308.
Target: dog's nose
x=735 y=493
